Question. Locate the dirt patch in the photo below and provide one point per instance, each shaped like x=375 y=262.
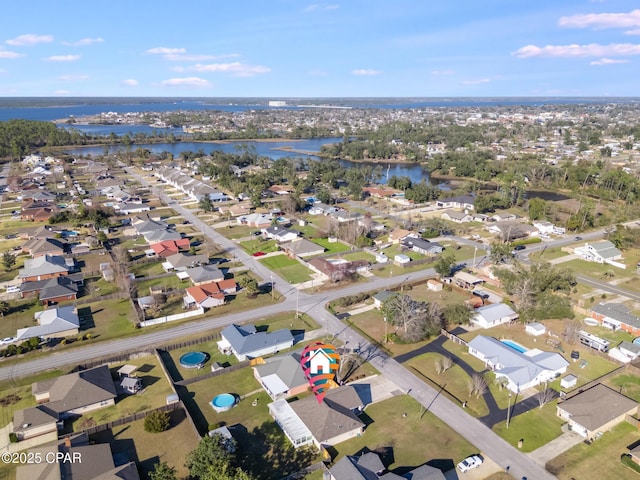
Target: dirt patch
x=9 y=400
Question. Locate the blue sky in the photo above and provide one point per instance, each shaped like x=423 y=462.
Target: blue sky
x=339 y=48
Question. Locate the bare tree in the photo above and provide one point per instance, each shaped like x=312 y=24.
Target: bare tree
x=416 y=320
x=571 y=329
x=476 y=385
x=545 y=396
x=443 y=364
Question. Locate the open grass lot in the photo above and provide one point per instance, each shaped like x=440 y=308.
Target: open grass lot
x=259 y=244
x=289 y=269
x=171 y=446
x=156 y=389
x=107 y=319
x=335 y=247
x=536 y=427
x=359 y=256
x=394 y=250
x=626 y=383
x=416 y=439
x=454 y=381
x=170 y=282
x=443 y=298
x=236 y=231
x=601 y=459
x=147 y=269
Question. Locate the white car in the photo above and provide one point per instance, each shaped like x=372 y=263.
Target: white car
x=7 y=341
x=470 y=463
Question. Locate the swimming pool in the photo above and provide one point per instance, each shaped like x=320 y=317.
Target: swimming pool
x=193 y=359
x=514 y=345
x=223 y=402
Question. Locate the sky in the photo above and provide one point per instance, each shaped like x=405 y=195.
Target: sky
x=340 y=48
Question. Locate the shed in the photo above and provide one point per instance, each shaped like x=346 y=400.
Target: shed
x=171 y=399
x=127 y=371
x=401 y=258
x=131 y=384
x=569 y=381
x=535 y=329
x=434 y=285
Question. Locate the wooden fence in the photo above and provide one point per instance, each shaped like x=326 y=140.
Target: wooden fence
x=205 y=376
x=453 y=338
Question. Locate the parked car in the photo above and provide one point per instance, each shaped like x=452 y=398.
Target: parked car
x=259 y=254
x=13 y=289
x=519 y=247
x=469 y=463
x=7 y=340
x=577 y=239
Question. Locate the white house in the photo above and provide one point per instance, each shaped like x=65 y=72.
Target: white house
x=521 y=370
x=600 y=252
x=401 y=258
x=495 y=314
x=245 y=342
x=279 y=234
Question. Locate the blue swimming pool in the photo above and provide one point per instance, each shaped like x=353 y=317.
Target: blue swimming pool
x=514 y=345
x=193 y=359
x=223 y=402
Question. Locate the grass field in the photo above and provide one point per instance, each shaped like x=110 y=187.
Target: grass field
x=259 y=244
x=335 y=247
x=236 y=231
x=389 y=427
x=289 y=269
x=536 y=427
x=601 y=459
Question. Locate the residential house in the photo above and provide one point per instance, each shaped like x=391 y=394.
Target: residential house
x=281 y=376
x=57 y=322
x=302 y=248
x=630 y=350
x=600 y=252
x=489 y=316
x=334 y=420
x=170 y=247
x=158 y=236
x=202 y=274
x=509 y=231
x=381 y=297
x=54 y=290
x=40 y=231
x=320 y=208
x=596 y=410
x=131 y=208
x=257 y=220
x=396 y=235
x=179 y=262
x=434 y=285
x=63 y=397
x=280 y=189
x=616 y=316
x=36 y=247
x=401 y=259
x=245 y=342
x=455 y=216
x=338 y=269
x=422 y=246
x=37 y=211
x=279 y=234
x=521 y=370
x=382 y=192
x=464 y=202
x=43 y=268
x=369 y=466
x=209 y=295
x=466 y=280
x=235 y=210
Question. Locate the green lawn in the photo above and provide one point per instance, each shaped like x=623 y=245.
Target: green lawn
x=359 y=256
x=601 y=459
x=237 y=231
x=335 y=247
x=416 y=437
x=536 y=427
x=627 y=384
x=288 y=268
x=259 y=244
x=147 y=269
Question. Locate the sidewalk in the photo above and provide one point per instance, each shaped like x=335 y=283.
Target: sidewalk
x=555 y=447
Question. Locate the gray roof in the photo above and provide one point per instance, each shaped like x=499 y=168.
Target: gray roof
x=44 y=265
x=597 y=406
x=286 y=367
x=617 y=311
x=156 y=236
x=181 y=260
x=33 y=417
x=495 y=311
x=363 y=467
x=58 y=287
x=77 y=389
x=458 y=199
x=630 y=347
x=423 y=472
x=303 y=247
x=384 y=295
x=520 y=368
x=42 y=245
x=606 y=249
x=51 y=322
x=245 y=339
x=149 y=226
x=204 y=273
x=328 y=419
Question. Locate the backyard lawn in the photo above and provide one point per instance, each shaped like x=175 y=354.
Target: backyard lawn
x=289 y=269
x=335 y=247
x=536 y=427
x=601 y=459
x=259 y=244
x=389 y=427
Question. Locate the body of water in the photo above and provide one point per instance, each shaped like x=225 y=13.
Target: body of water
x=267 y=149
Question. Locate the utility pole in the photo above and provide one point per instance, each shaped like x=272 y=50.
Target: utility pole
x=508 y=410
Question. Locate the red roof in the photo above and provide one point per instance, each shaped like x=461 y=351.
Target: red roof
x=170 y=247
x=201 y=292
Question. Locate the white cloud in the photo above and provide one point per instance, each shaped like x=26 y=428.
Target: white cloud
x=604 y=20
x=30 y=39
x=73 y=78
x=318 y=73
x=321 y=7
x=61 y=92
x=62 y=58
x=365 y=72
x=574 y=51
x=197 y=57
x=166 y=51
x=186 y=82
x=8 y=54
x=130 y=82
x=442 y=72
x=83 y=42
x=608 y=61
x=476 y=82
x=235 y=68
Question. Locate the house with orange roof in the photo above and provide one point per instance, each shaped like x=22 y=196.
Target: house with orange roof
x=170 y=247
x=205 y=296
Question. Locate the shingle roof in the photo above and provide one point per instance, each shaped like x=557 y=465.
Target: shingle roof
x=204 y=273
x=617 y=311
x=44 y=265
x=58 y=287
x=495 y=311
x=51 y=322
x=245 y=339
x=286 y=367
x=597 y=406
x=606 y=249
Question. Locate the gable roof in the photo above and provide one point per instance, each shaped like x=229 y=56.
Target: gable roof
x=204 y=273
x=285 y=367
x=597 y=406
x=605 y=249
x=495 y=311
x=246 y=339
x=52 y=321
x=58 y=287
x=351 y=467
x=617 y=311
x=78 y=389
x=39 y=246
x=181 y=260
x=44 y=265
x=303 y=247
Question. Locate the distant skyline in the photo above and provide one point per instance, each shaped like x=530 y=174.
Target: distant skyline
x=293 y=48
